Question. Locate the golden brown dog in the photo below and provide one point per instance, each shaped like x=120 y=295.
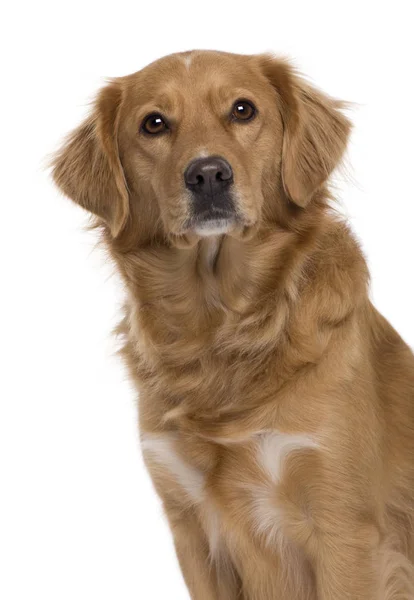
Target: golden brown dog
x=276 y=403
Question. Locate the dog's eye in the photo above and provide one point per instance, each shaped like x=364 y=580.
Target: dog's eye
x=243 y=110
x=154 y=124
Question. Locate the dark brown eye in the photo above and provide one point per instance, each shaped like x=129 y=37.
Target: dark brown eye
x=243 y=110
x=154 y=124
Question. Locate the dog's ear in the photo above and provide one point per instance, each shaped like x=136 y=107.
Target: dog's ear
x=88 y=168
x=315 y=131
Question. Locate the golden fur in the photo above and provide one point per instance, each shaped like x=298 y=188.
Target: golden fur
x=276 y=403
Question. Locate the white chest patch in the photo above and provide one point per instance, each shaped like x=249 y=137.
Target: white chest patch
x=161 y=448
x=272 y=449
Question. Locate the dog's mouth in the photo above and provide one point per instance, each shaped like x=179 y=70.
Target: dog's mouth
x=214 y=221
x=212 y=214
x=213 y=226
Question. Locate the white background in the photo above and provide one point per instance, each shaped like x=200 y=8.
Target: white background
x=78 y=516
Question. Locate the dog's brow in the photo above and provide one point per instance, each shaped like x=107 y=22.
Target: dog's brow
x=228 y=94
x=164 y=102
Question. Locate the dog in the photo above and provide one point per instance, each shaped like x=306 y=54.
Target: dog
x=276 y=404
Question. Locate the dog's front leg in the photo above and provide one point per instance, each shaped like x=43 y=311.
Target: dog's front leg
x=207 y=578
x=206 y=565
x=347 y=564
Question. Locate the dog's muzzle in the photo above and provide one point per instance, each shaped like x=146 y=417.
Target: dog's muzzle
x=210 y=180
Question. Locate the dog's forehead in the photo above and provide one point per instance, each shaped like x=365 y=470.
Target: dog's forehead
x=196 y=73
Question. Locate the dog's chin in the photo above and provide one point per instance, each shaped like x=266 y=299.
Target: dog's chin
x=214 y=226
x=211 y=225
x=232 y=225
x=214 y=222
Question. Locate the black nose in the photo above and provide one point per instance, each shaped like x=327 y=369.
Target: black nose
x=208 y=176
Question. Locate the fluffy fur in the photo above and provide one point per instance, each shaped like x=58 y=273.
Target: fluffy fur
x=276 y=403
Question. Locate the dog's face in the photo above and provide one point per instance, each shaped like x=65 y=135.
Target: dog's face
x=202 y=143
x=198 y=132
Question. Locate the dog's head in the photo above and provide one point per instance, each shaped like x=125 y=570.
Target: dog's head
x=202 y=143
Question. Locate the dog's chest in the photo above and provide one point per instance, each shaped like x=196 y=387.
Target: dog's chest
x=229 y=482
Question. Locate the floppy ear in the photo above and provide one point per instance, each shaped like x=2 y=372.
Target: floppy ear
x=88 y=168
x=315 y=132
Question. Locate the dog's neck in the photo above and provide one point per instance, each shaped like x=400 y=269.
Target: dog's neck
x=210 y=249
x=224 y=302
x=204 y=325
x=219 y=275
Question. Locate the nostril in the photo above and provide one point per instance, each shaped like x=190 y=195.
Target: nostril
x=208 y=175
